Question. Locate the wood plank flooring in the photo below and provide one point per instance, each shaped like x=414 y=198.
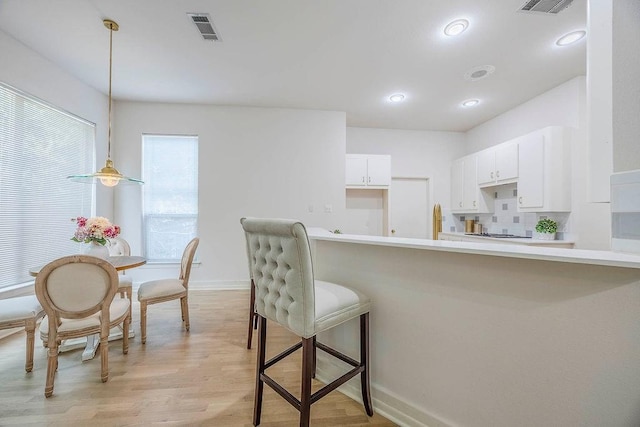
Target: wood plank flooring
x=204 y=377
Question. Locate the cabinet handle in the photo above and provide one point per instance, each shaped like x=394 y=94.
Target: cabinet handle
x=491 y=175
x=363 y=179
x=474 y=203
x=497 y=174
x=520 y=199
x=460 y=204
x=369 y=179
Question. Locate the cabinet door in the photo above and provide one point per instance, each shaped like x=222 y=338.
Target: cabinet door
x=457 y=173
x=531 y=173
x=379 y=170
x=486 y=166
x=356 y=170
x=506 y=162
x=470 y=186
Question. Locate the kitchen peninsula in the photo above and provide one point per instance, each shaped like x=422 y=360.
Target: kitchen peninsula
x=490 y=334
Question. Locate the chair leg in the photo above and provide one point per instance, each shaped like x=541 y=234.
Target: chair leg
x=52 y=366
x=30 y=329
x=313 y=369
x=364 y=360
x=104 y=357
x=143 y=321
x=252 y=314
x=262 y=344
x=184 y=304
x=308 y=353
x=125 y=332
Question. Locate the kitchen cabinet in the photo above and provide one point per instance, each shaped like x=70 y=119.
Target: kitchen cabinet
x=498 y=165
x=466 y=196
x=368 y=171
x=544 y=178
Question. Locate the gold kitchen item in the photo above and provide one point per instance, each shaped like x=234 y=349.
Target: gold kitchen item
x=437 y=220
x=468 y=225
x=477 y=228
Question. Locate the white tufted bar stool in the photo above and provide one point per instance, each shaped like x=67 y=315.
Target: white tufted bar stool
x=286 y=293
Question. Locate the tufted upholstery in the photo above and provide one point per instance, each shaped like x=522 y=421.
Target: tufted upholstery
x=284 y=290
x=281 y=266
x=76 y=293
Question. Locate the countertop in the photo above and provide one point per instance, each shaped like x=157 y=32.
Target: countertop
x=522 y=240
x=577 y=256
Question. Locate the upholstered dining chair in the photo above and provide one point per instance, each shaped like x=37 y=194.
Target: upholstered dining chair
x=156 y=291
x=22 y=312
x=120 y=247
x=77 y=294
x=287 y=293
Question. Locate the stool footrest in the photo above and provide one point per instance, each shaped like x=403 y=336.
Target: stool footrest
x=282 y=355
x=335 y=353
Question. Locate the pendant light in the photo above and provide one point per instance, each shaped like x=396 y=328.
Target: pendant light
x=108 y=175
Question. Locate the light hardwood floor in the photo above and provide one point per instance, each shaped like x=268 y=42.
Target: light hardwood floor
x=200 y=378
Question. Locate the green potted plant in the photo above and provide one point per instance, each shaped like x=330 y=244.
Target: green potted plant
x=546 y=229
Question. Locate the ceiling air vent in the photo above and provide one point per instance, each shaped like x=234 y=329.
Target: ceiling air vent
x=204 y=25
x=545 y=6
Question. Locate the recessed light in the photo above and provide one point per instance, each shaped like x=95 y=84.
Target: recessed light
x=397 y=97
x=456 y=27
x=571 y=37
x=470 y=102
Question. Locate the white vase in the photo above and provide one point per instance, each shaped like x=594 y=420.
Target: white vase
x=97 y=250
x=544 y=236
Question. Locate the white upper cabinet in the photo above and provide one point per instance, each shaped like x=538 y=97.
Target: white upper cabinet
x=498 y=165
x=368 y=170
x=466 y=197
x=544 y=182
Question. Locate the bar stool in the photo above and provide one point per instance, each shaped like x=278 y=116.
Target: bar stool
x=286 y=293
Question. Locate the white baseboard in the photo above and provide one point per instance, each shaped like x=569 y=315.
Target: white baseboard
x=385 y=403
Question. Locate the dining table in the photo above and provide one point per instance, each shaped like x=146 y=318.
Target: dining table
x=121 y=263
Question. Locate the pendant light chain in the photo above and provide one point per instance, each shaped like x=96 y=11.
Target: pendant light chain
x=110 y=71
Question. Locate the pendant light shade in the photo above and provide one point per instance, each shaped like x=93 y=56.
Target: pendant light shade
x=108 y=175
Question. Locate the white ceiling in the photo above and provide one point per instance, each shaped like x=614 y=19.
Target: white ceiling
x=340 y=55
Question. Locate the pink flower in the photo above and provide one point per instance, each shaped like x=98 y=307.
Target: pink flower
x=96 y=229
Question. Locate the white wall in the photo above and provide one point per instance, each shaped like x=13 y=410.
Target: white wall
x=252 y=162
x=565 y=105
x=423 y=154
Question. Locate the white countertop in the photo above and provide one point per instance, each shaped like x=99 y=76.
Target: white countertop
x=578 y=256
x=521 y=240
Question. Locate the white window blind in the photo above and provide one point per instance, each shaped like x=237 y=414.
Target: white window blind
x=39 y=146
x=170 y=195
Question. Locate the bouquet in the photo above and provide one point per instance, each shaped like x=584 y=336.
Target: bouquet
x=96 y=229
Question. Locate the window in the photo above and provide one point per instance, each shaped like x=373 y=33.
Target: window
x=40 y=146
x=170 y=195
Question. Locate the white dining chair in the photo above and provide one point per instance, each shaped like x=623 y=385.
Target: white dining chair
x=77 y=294
x=22 y=312
x=157 y=291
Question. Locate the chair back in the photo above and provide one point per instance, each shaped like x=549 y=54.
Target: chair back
x=281 y=267
x=187 y=260
x=76 y=287
x=118 y=247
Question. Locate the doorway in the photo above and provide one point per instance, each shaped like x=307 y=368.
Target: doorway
x=409 y=214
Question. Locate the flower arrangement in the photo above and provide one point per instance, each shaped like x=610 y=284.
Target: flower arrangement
x=96 y=229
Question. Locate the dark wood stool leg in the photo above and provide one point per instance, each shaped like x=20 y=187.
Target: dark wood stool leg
x=364 y=360
x=262 y=344
x=313 y=373
x=308 y=353
x=252 y=315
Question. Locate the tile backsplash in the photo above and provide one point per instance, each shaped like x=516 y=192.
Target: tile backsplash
x=506 y=218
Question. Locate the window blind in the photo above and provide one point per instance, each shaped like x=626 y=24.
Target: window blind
x=170 y=195
x=39 y=146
